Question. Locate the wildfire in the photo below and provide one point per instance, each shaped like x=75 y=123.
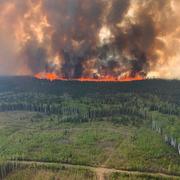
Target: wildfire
x=53 y=77
x=49 y=76
x=95 y=40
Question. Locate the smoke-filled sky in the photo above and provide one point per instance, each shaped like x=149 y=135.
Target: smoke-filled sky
x=90 y=38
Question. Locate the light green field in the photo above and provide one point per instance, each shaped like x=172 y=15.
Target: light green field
x=36 y=137
x=121 y=176
x=44 y=174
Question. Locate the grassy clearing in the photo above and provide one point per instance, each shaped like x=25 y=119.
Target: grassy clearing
x=49 y=171
x=121 y=176
x=45 y=174
x=145 y=151
x=32 y=136
x=70 y=143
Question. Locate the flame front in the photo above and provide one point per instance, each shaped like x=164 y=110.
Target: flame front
x=53 y=77
x=89 y=40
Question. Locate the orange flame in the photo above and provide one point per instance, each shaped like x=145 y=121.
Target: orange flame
x=53 y=77
x=48 y=76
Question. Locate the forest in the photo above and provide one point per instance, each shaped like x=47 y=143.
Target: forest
x=129 y=126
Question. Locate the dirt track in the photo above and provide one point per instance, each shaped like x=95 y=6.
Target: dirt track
x=100 y=171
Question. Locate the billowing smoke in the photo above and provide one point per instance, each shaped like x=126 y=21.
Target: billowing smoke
x=90 y=38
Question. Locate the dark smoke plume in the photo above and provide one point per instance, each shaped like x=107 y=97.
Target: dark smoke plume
x=91 y=38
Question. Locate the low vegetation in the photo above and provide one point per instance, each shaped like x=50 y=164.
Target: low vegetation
x=123 y=176
x=47 y=174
